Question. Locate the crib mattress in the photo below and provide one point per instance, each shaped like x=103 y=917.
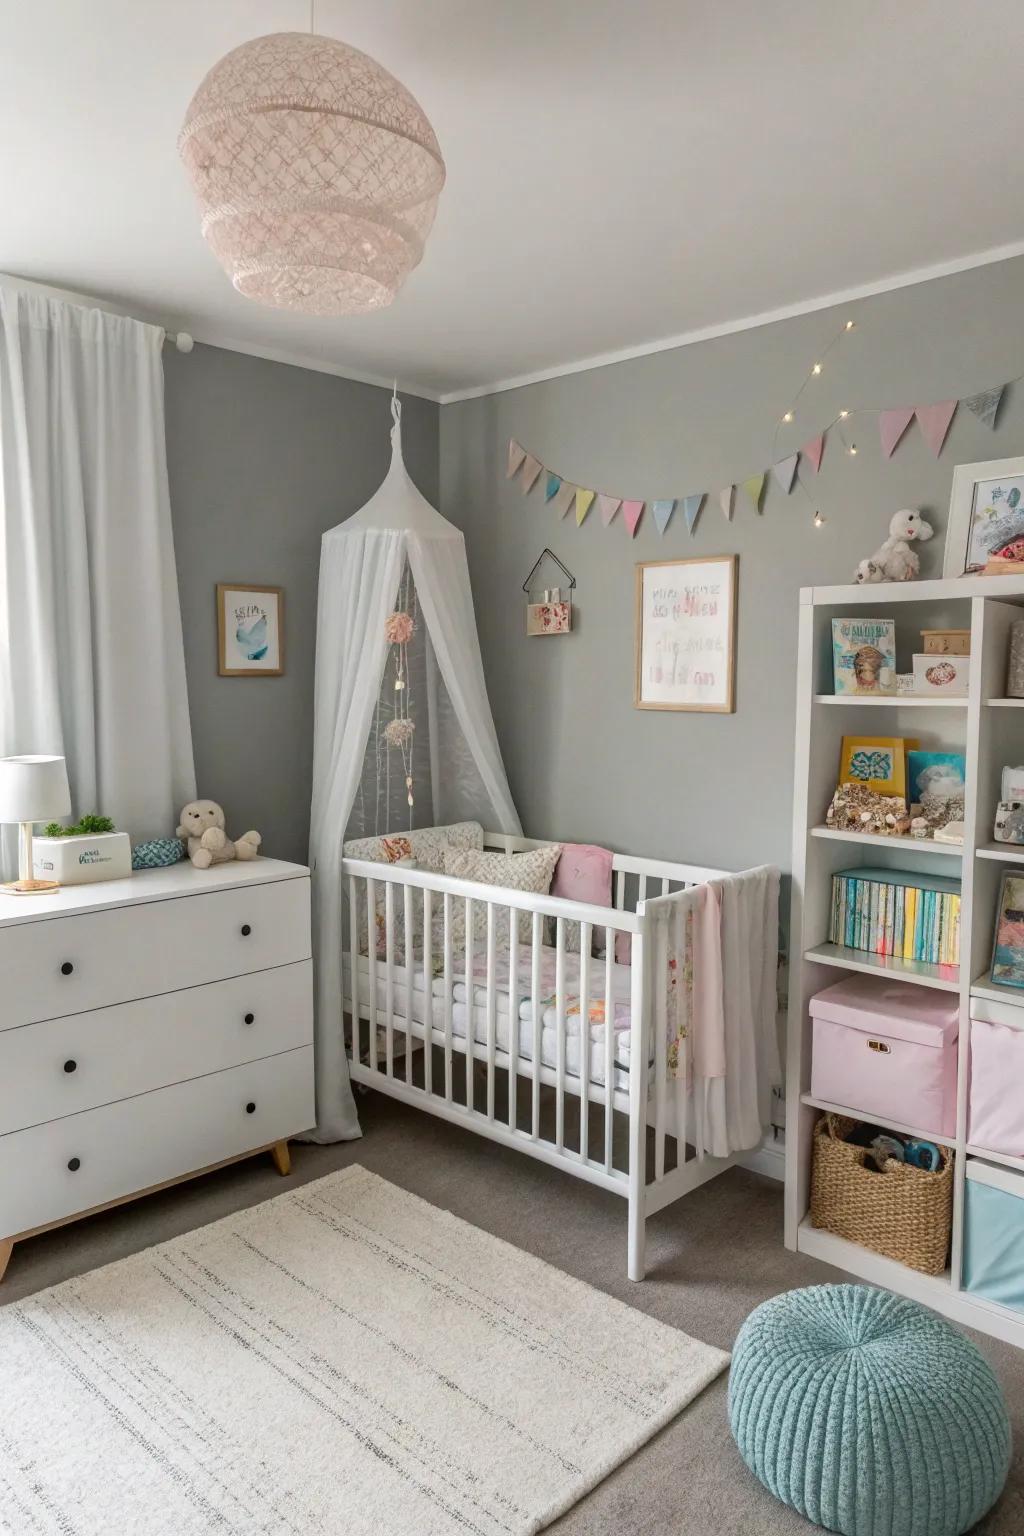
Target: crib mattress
x=522 y=1007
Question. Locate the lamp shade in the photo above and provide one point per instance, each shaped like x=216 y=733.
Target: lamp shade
x=33 y=789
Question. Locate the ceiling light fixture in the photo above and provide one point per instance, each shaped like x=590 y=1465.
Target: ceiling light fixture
x=317 y=174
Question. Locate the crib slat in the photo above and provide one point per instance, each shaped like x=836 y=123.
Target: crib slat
x=659 y=985
x=449 y=984
x=609 y=1046
x=428 y=991
x=683 y=1069
x=586 y=932
x=389 y=976
x=535 y=958
x=371 y=962
x=492 y=1009
x=664 y=885
x=513 y=1016
x=469 y=1008
x=410 y=974
x=560 y=1035
x=353 y=959
x=641 y=894
x=620 y=890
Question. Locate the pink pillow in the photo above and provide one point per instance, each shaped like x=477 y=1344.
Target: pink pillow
x=584 y=873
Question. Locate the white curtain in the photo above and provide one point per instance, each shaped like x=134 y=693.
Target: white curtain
x=361 y=565
x=91 y=659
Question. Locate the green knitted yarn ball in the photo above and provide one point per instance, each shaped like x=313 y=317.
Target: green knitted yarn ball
x=868 y=1413
x=157 y=852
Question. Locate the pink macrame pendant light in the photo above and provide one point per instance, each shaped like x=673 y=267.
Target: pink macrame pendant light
x=316 y=171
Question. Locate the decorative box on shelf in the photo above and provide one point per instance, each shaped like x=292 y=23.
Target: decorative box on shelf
x=547 y=611
x=76 y=860
x=937 y=675
x=946 y=642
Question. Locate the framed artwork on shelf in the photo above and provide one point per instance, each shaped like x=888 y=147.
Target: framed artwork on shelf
x=985 y=529
x=250 y=630
x=1008 y=946
x=686 y=634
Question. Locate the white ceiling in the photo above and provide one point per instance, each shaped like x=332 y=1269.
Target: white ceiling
x=620 y=172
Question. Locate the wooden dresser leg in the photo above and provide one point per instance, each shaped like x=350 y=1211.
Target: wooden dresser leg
x=282 y=1158
x=6 y=1249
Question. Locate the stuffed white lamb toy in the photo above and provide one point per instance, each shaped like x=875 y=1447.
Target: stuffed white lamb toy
x=895 y=560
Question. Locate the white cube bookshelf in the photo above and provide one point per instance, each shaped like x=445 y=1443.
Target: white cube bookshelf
x=987 y=728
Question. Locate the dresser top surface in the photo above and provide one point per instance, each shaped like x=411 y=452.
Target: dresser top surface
x=145 y=885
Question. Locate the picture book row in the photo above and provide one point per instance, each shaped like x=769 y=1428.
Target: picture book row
x=889 y=786
x=892 y=913
x=864 y=660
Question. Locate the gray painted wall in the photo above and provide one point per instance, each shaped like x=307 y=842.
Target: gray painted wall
x=583 y=763
x=263 y=458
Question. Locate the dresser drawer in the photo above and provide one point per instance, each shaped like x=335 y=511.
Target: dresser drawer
x=56 y=1170
x=62 y=1066
x=70 y=964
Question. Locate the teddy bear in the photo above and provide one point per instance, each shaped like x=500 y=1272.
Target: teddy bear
x=895 y=560
x=202 y=825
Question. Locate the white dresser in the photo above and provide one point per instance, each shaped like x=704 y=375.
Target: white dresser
x=150 y=1028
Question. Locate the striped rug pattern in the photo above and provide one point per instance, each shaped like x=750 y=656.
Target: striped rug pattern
x=343 y=1360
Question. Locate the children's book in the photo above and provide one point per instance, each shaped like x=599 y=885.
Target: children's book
x=864 y=655
x=877 y=762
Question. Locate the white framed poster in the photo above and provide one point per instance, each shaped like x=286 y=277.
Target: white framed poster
x=686 y=634
x=250 y=630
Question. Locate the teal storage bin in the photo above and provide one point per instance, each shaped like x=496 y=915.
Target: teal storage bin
x=994 y=1234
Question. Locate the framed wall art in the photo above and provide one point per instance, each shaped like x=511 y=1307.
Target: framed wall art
x=686 y=634
x=985 y=529
x=250 y=630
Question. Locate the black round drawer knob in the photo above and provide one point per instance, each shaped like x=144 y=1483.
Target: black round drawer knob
x=246 y=930
x=71 y=1066
x=66 y=968
x=250 y=1108
x=74 y=1163
x=250 y=1018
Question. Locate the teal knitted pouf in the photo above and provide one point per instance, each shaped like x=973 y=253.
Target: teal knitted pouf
x=867 y=1413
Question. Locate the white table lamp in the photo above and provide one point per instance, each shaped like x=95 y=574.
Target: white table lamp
x=32 y=789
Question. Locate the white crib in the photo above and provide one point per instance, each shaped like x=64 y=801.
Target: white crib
x=411 y=1038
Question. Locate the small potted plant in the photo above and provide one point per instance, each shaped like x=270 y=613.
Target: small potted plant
x=89 y=850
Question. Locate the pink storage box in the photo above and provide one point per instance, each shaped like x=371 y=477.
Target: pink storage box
x=996 y=1112
x=887 y=1052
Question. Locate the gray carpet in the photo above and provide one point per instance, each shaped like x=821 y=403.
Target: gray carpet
x=712 y=1257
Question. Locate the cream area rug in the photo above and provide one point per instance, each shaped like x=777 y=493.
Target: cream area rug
x=343 y=1360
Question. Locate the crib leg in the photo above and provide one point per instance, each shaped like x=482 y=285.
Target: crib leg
x=636 y=1265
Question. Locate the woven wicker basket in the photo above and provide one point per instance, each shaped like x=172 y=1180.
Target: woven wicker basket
x=903 y=1212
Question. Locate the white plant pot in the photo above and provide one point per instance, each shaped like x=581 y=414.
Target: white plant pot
x=78 y=860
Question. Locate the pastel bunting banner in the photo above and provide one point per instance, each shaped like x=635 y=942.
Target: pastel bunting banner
x=725 y=501
x=985 y=404
x=662 y=511
x=785 y=471
x=583 y=500
x=632 y=511
x=934 y=422
x=528 y=474
x=754 y=488
x=608 y=506
x=813 y=451
x=563 y=498
x=892 y=425
x=551 y=488
x=691 y=510
x=516 y=455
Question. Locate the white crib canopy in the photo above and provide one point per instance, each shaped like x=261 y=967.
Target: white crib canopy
x=396 y=543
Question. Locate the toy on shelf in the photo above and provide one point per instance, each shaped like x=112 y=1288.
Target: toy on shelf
x=202 y=825
x=895 y=560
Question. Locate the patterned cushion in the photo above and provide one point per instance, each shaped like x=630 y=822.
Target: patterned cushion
x=427 y=847
x=530 y=871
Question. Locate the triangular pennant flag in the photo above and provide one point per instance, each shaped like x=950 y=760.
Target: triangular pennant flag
x=785 y=471
x=813 y=451
x=754 y=488
x=516 y=455
x=725 y=498
x=531 y=469
x=985 y=404
x=631 y=514
x=551 y=489
x=608 y=506
x=662 y=513
x=892 y=425
x=691 y=510
x=583 y=500
x=561 y=501
x=934 y=422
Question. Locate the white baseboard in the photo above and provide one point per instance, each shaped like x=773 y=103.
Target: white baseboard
x=769 y=1158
